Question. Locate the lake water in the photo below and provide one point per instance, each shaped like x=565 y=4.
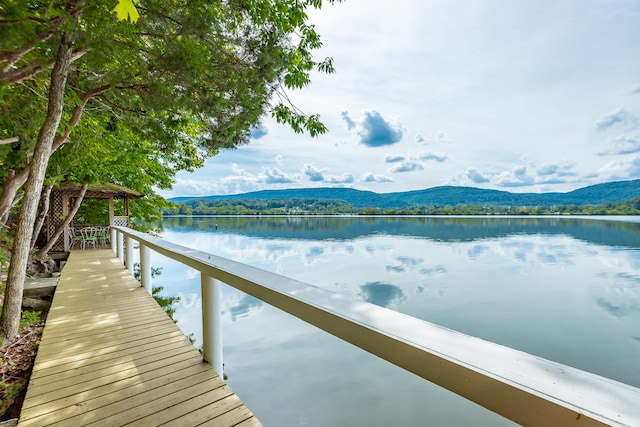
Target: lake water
x=566 y=289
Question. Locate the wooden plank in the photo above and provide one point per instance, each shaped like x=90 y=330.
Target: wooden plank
x=83 y=353
x=174 y=347
x=48 y=403
x=199 y=415
x=251 y=422
x=92 y=410
x=109 y=355
x=230 y=418
x=169 y=407
x=80 y=383
x=108 y=342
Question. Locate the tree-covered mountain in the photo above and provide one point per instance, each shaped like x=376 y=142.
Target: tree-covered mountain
x=610 y=192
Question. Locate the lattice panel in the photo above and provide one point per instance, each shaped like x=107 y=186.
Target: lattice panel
x=120 y=221
x=55 y=214
x=55 y=218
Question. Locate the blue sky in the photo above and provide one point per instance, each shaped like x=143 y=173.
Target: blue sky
x=523 y=96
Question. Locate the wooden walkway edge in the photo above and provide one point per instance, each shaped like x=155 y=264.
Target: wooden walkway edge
x=110 y=356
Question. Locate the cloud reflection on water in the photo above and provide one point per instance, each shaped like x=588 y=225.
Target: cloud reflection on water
x=622 y=297
x=514 y=289
x=243 y=306
x=382 y=294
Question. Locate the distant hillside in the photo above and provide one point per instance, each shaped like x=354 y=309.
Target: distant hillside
x=611 y=192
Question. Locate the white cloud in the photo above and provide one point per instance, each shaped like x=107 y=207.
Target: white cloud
x=370 y=177
x=622 y=169
x=373 y=130
x=239 y=182
x=623 y=144
x=276 y=176
x=350 y=123
x=345 y=178
x=517 y=177
x=259 y=131
x=616 y=118
x=524 y=175
x=408 y=166
x=476 y=176
x=315 y=174
x=437 y=137
x=194 y=187
x=394 y=158
x=432 y=156
x=561 y=169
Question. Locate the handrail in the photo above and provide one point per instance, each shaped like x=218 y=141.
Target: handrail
x=521 y=387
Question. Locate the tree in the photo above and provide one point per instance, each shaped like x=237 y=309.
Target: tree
x=189 y=78
x=10 y=317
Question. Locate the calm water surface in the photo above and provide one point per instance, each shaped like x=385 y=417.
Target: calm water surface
x=565 y=289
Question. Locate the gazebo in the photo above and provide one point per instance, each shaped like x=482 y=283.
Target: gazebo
x=62 y=199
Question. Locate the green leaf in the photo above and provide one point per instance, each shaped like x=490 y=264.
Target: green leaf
x=126 y=9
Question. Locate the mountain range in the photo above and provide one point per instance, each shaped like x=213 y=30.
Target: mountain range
x=617 y=191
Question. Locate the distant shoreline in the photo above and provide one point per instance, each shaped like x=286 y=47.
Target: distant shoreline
x=635 y=217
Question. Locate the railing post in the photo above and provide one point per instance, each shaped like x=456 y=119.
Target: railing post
x=145 y=267
x=212 y=322
x=113 y=239
x=129 y=255
x=120 y=240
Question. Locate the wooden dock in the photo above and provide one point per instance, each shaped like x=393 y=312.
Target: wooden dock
x=110 y=356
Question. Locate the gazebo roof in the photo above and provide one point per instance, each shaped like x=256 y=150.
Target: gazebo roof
x=99 y=191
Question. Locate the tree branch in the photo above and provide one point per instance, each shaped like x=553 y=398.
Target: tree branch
x=13 y=56
x=13 y=182
x=77 y=114
x=121 y=107
x=30 y=70
x=9 y=140
x=44 y=211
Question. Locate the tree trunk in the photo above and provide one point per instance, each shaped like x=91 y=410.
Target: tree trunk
x=12 y=183
x=10 y=318
x=46 y=248
x=46 y=196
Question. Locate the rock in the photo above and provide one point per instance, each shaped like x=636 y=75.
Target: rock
x=45 y=292
x=35 y=304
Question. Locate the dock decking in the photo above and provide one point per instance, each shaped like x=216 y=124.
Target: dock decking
x=110 y=356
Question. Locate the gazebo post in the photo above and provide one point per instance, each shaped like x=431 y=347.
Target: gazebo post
x=65 y=232
x=111 y=210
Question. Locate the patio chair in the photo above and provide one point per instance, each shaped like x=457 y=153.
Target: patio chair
x=74 y=237
x=89 y=236
x=102 y=236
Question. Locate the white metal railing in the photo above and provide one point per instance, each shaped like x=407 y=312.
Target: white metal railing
x=524 y=388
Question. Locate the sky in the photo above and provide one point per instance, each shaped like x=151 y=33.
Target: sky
x=522 y=96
